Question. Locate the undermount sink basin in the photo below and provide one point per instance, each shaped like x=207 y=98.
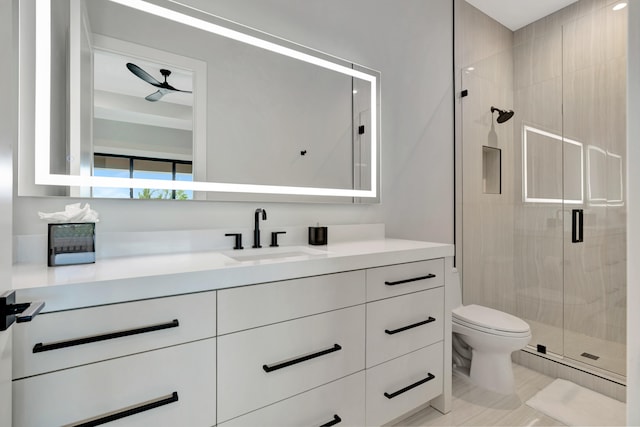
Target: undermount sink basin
x=279 y=253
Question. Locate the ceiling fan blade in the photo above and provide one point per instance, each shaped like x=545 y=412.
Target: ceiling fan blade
x=155 y=96
x=143 y=74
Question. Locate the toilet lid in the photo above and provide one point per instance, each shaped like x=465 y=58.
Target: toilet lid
x=486 y=317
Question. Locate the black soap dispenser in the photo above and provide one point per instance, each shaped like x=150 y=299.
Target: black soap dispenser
x=318 y=235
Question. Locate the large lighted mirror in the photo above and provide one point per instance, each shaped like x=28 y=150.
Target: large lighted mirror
x=154 y=99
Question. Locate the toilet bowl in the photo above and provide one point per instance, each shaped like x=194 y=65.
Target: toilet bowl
x=492 y=336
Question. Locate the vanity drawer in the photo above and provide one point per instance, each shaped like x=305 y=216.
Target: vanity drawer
x=91 y=391
x=261 y=366
x=341 y=401
x=393 y=280
x=251 y=306
x=403 y=384
x=70 y=338
x=396 y=326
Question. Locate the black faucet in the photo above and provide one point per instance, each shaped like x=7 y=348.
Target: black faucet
x=256 y=228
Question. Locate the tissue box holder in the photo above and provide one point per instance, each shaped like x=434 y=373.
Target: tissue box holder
x=71 y=243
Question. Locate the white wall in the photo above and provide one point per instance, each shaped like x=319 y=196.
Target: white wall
x=633 y=209
x=8 y=130
x=411 y=44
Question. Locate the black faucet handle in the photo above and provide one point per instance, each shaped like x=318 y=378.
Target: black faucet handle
x=238 y=241
x=274 y=238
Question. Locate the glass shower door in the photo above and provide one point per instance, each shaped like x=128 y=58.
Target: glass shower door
x=539 y=201
x=594 y=131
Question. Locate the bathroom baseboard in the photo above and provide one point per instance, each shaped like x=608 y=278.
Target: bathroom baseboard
x=611 y=387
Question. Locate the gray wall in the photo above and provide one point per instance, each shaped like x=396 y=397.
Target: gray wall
x=411 y=45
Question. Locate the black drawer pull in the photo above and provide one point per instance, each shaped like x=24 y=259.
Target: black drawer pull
x=336 y=419
x=409 y=387
x=415 y=325
x=39 y=347
x=131 y=410
x=290 y=362
x=415 y=279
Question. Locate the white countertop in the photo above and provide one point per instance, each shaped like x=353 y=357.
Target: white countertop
x=140 y=277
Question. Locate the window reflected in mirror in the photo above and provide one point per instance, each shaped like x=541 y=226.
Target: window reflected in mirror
x=116 y=166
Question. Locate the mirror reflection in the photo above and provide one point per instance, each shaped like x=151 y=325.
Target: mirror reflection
x=170 y=107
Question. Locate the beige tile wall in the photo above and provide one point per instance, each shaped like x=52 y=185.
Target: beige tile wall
x=487 y=218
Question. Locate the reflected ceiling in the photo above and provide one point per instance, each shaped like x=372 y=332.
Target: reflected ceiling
x=515 y=14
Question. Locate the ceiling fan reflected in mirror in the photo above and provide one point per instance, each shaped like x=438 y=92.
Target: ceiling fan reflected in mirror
x=163 y=88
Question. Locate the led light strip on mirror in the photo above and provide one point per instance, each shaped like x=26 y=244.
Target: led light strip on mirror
x=43 y=175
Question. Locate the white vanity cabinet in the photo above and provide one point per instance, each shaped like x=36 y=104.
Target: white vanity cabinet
x=399 y=325
x=289 y=351
x=173 y=386
x=400 y=279
x=359 y=338
x=70 y=338
x=401 y=385
x=405 y=333
x=318 y=337
x=340 y=402
x=133 y=360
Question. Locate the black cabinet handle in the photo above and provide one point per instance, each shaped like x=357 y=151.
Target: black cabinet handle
x=415 y=325
x=409 y=387
x=415 y=279
x=577 y=226
x=296 y=360
x=11 y=312
x=30 y=312
x=39 y=347
x=336 y=419
x=152 y=404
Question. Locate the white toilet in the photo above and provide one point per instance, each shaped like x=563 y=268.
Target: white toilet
x=492 y=336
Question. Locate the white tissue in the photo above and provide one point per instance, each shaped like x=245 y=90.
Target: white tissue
x=72 y=213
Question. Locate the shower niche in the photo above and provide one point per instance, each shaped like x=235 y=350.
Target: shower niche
x=491 y=170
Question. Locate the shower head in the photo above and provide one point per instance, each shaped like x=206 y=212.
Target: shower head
x=503 y=115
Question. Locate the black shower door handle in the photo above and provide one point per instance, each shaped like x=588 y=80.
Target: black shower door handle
x=577 y=226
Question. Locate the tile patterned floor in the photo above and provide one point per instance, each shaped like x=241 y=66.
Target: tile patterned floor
x=473 y=406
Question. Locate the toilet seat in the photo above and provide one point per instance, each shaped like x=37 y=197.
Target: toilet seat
x=490 y=321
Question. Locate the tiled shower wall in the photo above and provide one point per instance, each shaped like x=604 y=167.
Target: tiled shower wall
x=563 y=75
x=488 y=219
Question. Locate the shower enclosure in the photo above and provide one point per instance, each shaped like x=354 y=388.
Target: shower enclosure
x=541 y=196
